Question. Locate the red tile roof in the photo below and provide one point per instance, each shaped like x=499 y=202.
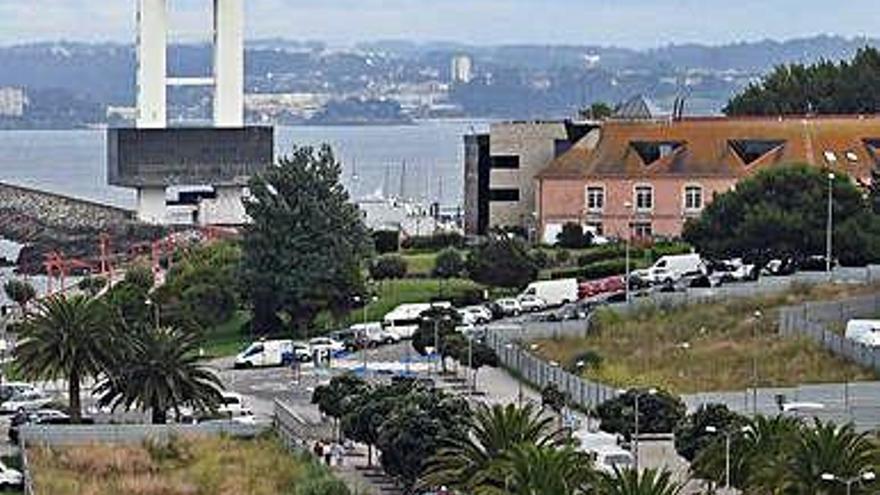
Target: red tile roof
x=703 y=147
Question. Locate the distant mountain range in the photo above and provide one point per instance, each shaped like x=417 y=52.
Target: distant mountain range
x=105 y=73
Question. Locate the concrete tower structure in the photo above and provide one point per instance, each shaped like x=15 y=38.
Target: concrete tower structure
x=152 y=161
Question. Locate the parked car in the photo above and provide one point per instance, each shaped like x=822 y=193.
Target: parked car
x=326 y=344
x=865 y=332
x=509 y=306
x=404 y=320
x=672 y=269
x=350 y=339
x=374 y=334
x=481 y=314
x=40 y=417
x=25 y=401
x=233 y=405
x=530 y=304
x=780 y=267
x=271 y=353
x=9 y=389
x=733 y=270
x=10 y=478
x=553 y=292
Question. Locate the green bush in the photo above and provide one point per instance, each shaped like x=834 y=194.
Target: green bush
x=573 y=236
x=386 y=241
x=209 y=304
x=434 y=242
x=563 y=256
x=387 y=267
x=597 y=270
x=541 y=258
x=449 y=264
x=603 y=253
x=660 y=412
x=140 y=276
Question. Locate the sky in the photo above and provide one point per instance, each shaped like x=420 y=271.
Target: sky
x=627 y=23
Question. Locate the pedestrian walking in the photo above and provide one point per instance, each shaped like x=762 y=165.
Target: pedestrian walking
x=338 y=452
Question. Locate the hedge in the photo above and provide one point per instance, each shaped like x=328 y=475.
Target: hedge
x=434 y=242
x=594 y=271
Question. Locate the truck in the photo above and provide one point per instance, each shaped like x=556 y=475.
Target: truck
x=404 y=320
x=865 y=332
x=553 y=292
x=671 y=269
x=265 y=353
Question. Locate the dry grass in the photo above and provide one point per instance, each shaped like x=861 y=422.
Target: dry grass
x=193 y=466
x=709 y=347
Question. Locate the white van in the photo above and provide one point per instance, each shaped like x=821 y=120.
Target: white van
x=404 y=320
x=865 y=332
x=672 y=268
x=374 y=333
x=553 y=292
x=605 y=450
x=271 y=353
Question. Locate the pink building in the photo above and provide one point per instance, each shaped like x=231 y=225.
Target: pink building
x=650 y=176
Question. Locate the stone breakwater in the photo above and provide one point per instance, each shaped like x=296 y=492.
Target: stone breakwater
x=46 y=222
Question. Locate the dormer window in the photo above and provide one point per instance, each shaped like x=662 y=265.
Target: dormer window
x=830 y=157
x=651 y=151
x=752 y=150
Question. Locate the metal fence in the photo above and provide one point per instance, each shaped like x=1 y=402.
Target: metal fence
x=126 y=434
x=817 y=320
x=297 y=433
x=507 y=342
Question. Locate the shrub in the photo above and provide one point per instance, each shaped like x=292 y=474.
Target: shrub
x=434 y=242
x=603 y=253
x=501 y=262
x=591 y=360
x=19 y=291
x=573 y=236
x=209 y=305
x=386 y=241
x=140 y=276
x=562 y=257
x=468 y=297
x=388 y=266
x=92 y=285
x=541 y=258
x=658 y=413
x=691 y=436
x=597 y=270
x=449 y=264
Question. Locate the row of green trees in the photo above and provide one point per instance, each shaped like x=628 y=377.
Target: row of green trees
x=782 y=213
x=118 y=340
x=825 y=87
x=428 y=439
x=777 y=454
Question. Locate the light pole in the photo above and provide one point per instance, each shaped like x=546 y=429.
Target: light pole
x=866 y=476
x=727 y=435
x=829 y=229
x=757 y=316
x=629 y=227
x=638 y=394
x=519 y=381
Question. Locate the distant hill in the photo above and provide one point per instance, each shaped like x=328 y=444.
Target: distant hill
x=512 y=80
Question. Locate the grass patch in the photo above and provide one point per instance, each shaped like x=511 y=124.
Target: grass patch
x=421 y=264
x=216 y=465
x=392 y=293
x=646 y=349
x=228 y=338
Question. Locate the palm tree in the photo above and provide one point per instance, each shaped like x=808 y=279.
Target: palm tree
x=528 y=469
x=827 y=448
x=160 y=370
x=755 y=454
x=629 y=482
x=66 y=338
x=493 y=431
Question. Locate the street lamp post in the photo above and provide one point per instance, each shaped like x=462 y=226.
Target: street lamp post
x=829 y=227
x=628 y=206
x=757 y=316
x=727 y=436
x=866 y=476
x=638 y=395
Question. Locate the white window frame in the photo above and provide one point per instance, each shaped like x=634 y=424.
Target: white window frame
x=635 y=197
x=601 y=188
x=684 y=197
x=633 y=229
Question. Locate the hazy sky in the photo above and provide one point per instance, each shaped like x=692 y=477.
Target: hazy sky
x=633 y=23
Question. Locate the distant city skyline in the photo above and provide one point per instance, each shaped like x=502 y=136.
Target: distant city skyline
x=625 y=23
